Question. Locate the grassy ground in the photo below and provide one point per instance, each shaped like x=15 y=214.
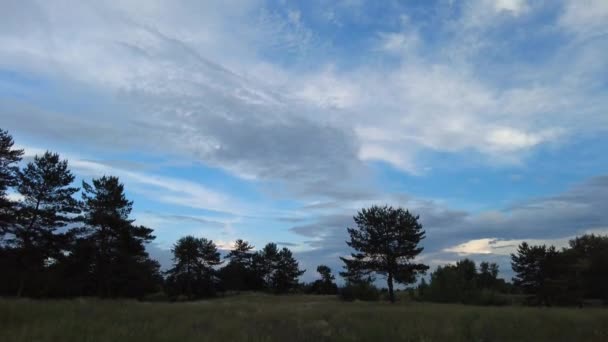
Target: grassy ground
x=291 y=318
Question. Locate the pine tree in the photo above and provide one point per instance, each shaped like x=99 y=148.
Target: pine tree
x=539 y=272
x=46 y=208
x=266 y=262
x=119 y=263
x=9 y=171
x=326 y=284
x=237 y=274
x=193 y=273
x=286 y=272
x=386 y=241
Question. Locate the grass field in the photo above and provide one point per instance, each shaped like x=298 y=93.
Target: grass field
x=254 y=317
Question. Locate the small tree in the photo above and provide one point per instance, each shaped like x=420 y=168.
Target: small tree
x=326 y=284
x=193 y=270
x=386 y=242
x=488 y=275
x=240 y=253
x=325 y=273
x=266 y=262
x=286 y=272
x=237 y=274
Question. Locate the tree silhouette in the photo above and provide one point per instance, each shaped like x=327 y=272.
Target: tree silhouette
x=47 y=206
x=286 y=272
x=9 y=171
x=386 y=241
x=237 y=274
x=326 y=284
x=114 y=246
x=488 y=273
x=537 y=272
x=325 y=273
x=193 y=270
x=265 y=263
x=589 y=260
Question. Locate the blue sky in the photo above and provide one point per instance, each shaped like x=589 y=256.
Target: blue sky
x=277 y=120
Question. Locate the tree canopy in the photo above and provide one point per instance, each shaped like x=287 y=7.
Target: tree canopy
x=386 y=242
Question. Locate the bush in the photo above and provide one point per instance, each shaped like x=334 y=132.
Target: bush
x=488 y=297
x=362 y=291
x=155 y=297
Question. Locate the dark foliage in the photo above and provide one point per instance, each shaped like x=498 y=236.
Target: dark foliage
x=238 y=274
x=277 y=269
x=285 y=275
x=386 y=242
x=37 y=239
x=109 y=258
x=9 y=172
x=324 y=286
x=463 y=283
x=193 y=274
x=50 y=249
x=566 y=277
x=359 y=291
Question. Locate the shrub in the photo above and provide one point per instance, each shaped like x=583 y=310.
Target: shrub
x=156 y=297
x=488 y=297
x=361 y=291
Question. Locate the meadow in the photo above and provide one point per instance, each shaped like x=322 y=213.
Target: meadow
x=258 y=317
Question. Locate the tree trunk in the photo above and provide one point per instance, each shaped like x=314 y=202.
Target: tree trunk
x=391 y=293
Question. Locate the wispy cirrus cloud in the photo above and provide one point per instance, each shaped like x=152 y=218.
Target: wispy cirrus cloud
x=303 y=103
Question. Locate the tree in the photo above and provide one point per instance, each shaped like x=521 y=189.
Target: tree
x=564 y=277
x=286 y=272
x=454 y=283
x=386 y=242
x=241 y=252
x=265 y=263
x=326 y=284
x=111 y=246
x=538 y=272
x=488 y=275
x=193 y=270
x=237 y=274
x=275 y=270
x=9 y=171
x=353 y=274
x=588 y=256
x=325 y=273
x=47 y=207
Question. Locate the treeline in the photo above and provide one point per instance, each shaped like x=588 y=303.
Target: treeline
x=576 y=275
x=195 y=273
x=54 y=244
x=570 y=276
x=465 y=283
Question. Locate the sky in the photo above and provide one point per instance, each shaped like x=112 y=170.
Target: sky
x=275 y=121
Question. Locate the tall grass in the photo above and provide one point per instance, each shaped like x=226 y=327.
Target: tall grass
x=253 y=317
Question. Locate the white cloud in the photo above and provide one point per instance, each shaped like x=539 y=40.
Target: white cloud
x=514 y=6
x=399 y=42
x=13 y=196
x=192 y=77
x=585 y=17
x=506 y=247
x=508 y=139
x=161 y=188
